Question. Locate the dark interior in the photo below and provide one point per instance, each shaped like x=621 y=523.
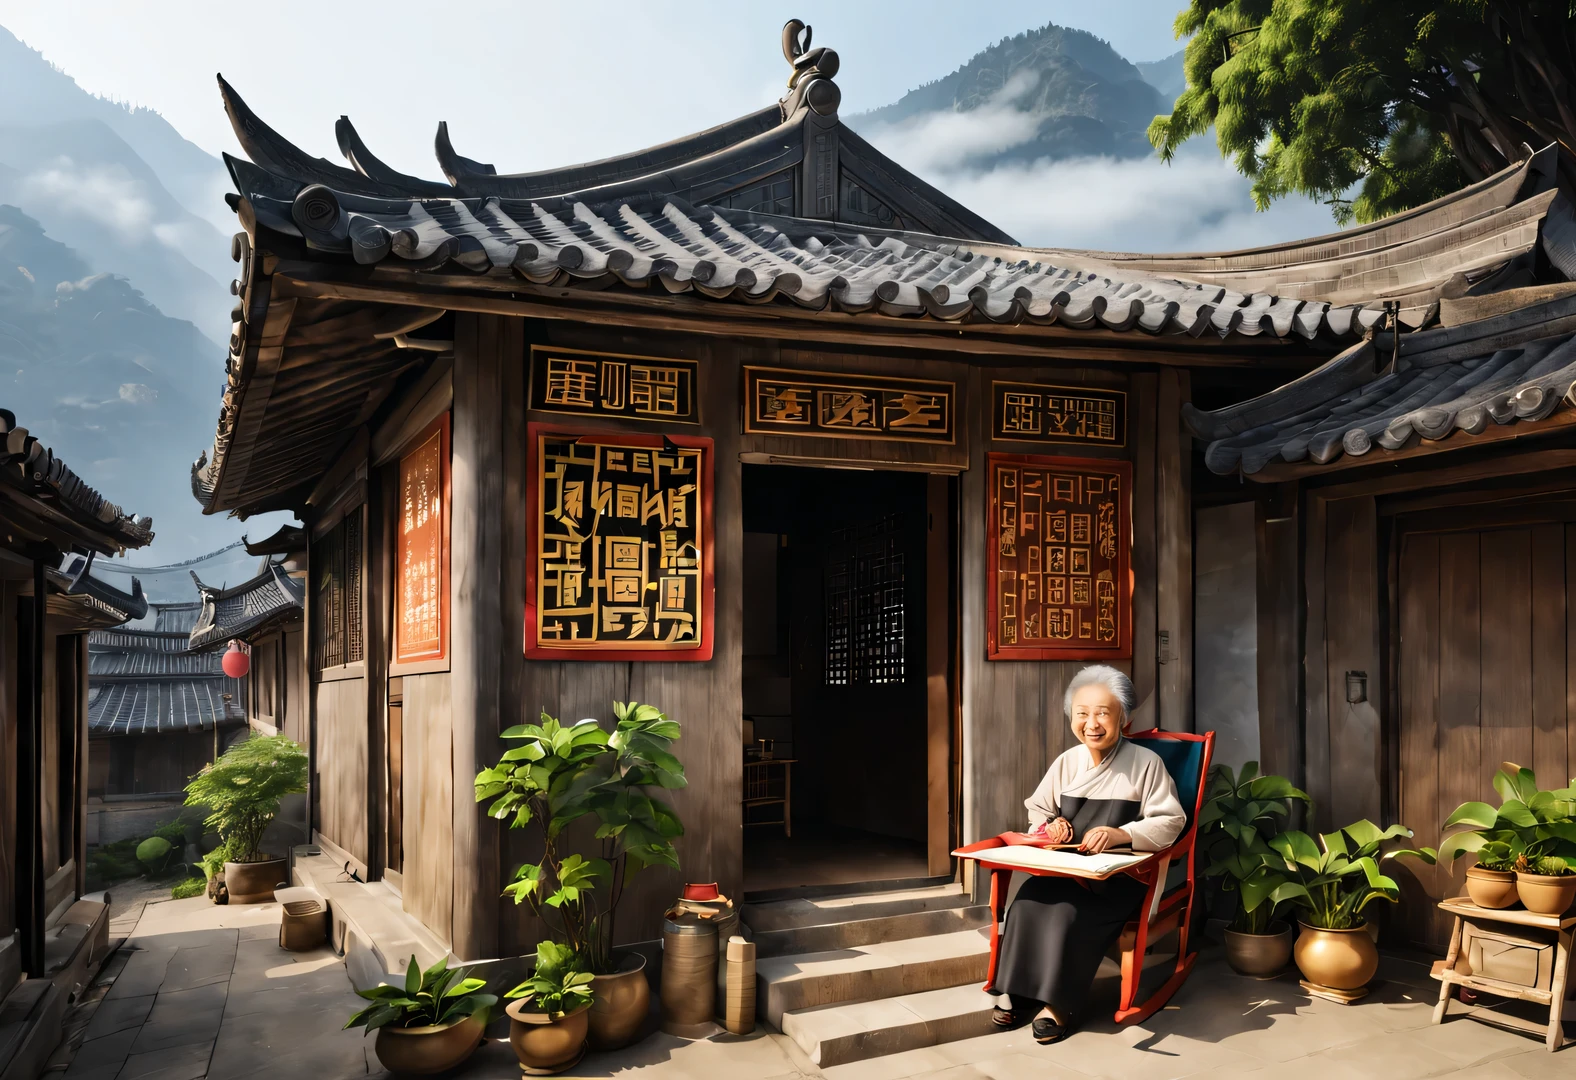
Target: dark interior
x=834 y=673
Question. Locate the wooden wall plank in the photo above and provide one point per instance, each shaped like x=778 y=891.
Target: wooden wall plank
x=1352 y=598
x=430 y=811
x=1506 y=591
x=1145 y=387
x=1463 y=775
x=938 y=682
x=1280 y=725
x=475 y=609
x=1420 y=922
x=1315 y=672
x=342 y=765
x=1550 y=675
x=1570 y=653
x=1174 y=551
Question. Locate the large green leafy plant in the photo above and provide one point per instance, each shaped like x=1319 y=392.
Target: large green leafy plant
x=1533 y=831
x=430 y=998
x=242 y=791
x=1240 y=816
x=1334 y=878
x=556 y=985
x=557 y=774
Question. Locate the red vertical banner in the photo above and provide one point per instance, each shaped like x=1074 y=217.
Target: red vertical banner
x=1058 y=548
x=421 y=616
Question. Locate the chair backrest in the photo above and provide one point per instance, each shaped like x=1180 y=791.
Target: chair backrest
x=1187 y=760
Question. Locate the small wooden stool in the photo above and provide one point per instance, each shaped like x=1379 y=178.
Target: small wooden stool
x=1533 y=950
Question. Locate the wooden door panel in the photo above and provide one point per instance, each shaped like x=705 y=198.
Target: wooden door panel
x=1549 y=679
x=1419 y=695
x=1505 y=706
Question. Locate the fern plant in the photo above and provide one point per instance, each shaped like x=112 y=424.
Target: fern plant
x=242 y=791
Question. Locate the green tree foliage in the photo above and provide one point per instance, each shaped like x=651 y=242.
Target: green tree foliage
x=1406 y=100
x=243 y=788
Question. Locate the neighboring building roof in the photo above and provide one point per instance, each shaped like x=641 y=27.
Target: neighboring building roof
x=156 y=706
x=176 y=618
x=288 y=540
x=124 y=606
x=233 y=613
x=1514 y=367
x=148 y=640
x=61 y=506
x=111 y=661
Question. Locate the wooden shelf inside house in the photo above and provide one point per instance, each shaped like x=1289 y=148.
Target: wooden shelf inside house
x=766 y=785
x=1515 y=928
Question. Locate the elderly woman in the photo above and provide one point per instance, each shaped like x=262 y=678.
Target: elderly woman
x=1102 y=794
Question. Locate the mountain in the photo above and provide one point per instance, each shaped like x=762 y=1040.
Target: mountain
x=1165 y=75
x=1051 y=93
x=119 y=185
x=120 y=390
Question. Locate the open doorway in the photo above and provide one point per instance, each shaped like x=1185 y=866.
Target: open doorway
x=847 y=676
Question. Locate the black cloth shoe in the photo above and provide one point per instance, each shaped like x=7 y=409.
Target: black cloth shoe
x=1047 y=1031
x=1009 y=1018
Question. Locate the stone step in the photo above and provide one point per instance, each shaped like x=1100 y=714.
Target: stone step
x=884 y=969
x=853 y=1031
x=856 y=907
x=823 y=937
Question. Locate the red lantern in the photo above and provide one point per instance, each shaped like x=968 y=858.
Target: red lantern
x=236 y=663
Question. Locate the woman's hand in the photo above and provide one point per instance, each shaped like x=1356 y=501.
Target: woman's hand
x=1059 y=831
x=1098 y=839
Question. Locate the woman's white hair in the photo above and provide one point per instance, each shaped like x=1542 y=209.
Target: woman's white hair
x=1120 y=685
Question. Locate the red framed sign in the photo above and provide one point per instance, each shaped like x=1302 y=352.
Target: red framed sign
x=1058 y=552
x=621 y=565
x=421 y=594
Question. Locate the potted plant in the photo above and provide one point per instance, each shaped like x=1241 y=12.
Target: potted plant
x=1333 y=880
x=431 y=1023
x=1240 y=815
x=241 y=792
x=1526 y=850
x=556 y=775
x=549 y=1012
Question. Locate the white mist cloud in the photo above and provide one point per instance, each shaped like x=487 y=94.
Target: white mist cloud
x=110 y=196
x=939 y=141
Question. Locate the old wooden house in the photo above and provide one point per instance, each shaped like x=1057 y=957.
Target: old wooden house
x=762 y=428
x=48 y=935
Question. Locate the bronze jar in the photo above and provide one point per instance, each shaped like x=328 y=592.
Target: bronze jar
x=1491 y=888
x=619 y=1003
x=426 y=1051
x=547 y=1043
x=1259 y=955
x=1339 y=959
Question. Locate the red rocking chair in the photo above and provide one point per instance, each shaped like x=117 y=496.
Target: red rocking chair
x=1187 y=760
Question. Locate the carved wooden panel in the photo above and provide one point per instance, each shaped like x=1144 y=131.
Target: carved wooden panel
x=832 y=405
x=421 y=595
x=621 y=561
x=611 y=384
x=1058 y=555
x=1030 y=412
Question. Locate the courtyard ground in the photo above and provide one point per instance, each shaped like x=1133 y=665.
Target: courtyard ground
x=204 y=991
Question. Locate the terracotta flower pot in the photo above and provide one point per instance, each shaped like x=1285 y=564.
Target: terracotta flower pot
x=1491 y=888
x=547 y=1044
x=424 y=1051
x=1546 y=895
x=1339 y=959
x=1259 y=955
x=253 y=882
x=620 y=1004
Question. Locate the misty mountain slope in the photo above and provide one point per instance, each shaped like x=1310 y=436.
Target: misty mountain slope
x=120 y=390
x=1165 y=75
x=34 y=92
x=91 y=191
x=1050 y=93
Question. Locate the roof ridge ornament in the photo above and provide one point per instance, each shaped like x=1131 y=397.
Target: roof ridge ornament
x=810 y=82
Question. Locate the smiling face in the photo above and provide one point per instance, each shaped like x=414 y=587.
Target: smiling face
x=1097 y=719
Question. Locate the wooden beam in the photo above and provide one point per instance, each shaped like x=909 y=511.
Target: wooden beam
x=1145 y=387
x=429 y=398
x=1279 y=626
x=1174 y=558
x=1559 y=422
x=1315 y=681
x=938 y=689
x=1030 y=342
x=1471 y=472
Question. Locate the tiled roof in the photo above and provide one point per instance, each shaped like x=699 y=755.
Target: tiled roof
x=1516 y=367
x=287 y=540
x=176 y=618
x=120 y=662
x=113 y=601
x=152 y=706
x=232 y=613
x=146 y=640
x=31 y=467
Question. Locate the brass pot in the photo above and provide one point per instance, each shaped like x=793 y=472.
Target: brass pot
x=1546 y=895
x=1339 y=959
x=1491 y=888
x=546 y=1044
x=253 y=882
x=619 y=1003
x=1259 y=955
x=425 y=1051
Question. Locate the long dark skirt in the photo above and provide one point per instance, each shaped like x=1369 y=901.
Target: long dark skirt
x=1058 y=930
